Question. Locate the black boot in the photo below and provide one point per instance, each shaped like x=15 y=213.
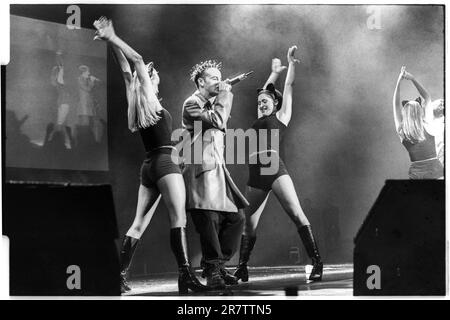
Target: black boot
x=69 y=135
x=247 y=244
x=126 y=254
x=214 y=278
x=312 y=250
x=203 y=266
x=186 y=279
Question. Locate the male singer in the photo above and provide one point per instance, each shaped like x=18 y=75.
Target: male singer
x=212 y=197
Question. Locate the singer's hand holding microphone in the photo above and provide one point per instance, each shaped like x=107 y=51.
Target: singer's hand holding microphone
x=92 y=78
x=224 y=86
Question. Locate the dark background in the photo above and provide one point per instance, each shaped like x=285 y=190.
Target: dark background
x=341 y=144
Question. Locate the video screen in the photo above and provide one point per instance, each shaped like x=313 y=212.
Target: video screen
x=56 y=104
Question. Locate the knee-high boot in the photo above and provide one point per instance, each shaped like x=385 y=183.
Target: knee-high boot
x=247 y=244
x=312 y=250
x=186 y=278
x=129 y=245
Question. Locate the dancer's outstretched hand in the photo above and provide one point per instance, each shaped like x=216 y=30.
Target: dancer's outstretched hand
x=402 y=72
x=105 y=29
x=276 y=66
x=291 y=55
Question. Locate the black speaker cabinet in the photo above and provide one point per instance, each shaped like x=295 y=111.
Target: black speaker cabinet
x=61 y=239
x=400 y=248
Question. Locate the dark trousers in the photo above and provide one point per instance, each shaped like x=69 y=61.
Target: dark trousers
x=219 y=234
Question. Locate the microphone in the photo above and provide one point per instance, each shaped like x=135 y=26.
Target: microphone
x=239 y=78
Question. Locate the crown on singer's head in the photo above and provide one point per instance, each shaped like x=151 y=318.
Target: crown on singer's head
x=197 y=70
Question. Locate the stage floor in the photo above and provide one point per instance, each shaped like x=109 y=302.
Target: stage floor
x=264 y=281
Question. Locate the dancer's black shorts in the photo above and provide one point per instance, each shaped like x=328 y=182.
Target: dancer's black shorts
x=262 y=181
x=157 y=165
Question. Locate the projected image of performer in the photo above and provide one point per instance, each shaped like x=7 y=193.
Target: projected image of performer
x=87 y=106
x=413 y=123
x=212 y=197
x=159 y=175
x=63 y=107
x=274 y=113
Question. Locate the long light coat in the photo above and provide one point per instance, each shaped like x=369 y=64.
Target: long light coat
x=208 y=184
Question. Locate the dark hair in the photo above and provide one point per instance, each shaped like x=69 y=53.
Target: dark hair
x=418 y=99
x=274 y=93
x=198 y=70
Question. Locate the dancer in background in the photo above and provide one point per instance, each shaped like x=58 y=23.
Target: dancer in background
x=438 y=128
x=274 y=114
x=413 y=123
x=159 y=175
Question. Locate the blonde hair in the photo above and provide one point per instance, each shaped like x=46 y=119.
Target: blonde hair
x=412 y=127
x=141 y=112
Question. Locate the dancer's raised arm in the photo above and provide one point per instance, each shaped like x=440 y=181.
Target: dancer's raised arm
x=105 y=31
x=425 y=95
x=123 y=62
x=285 y=113
x=277 y=68
x=396 y=103
x=142 y=86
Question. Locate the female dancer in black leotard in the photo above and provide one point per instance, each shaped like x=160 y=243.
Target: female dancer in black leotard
x=159 y=175
x=413 y=122
x=274 y=114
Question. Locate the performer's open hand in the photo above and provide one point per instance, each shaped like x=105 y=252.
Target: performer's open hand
x=276 y=66
x=402 y=72
x=105 y=29
x=291 y=55
x=224 y=86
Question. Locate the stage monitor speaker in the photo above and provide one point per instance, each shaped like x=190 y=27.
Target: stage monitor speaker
x=61 y=239
x=400 y=248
